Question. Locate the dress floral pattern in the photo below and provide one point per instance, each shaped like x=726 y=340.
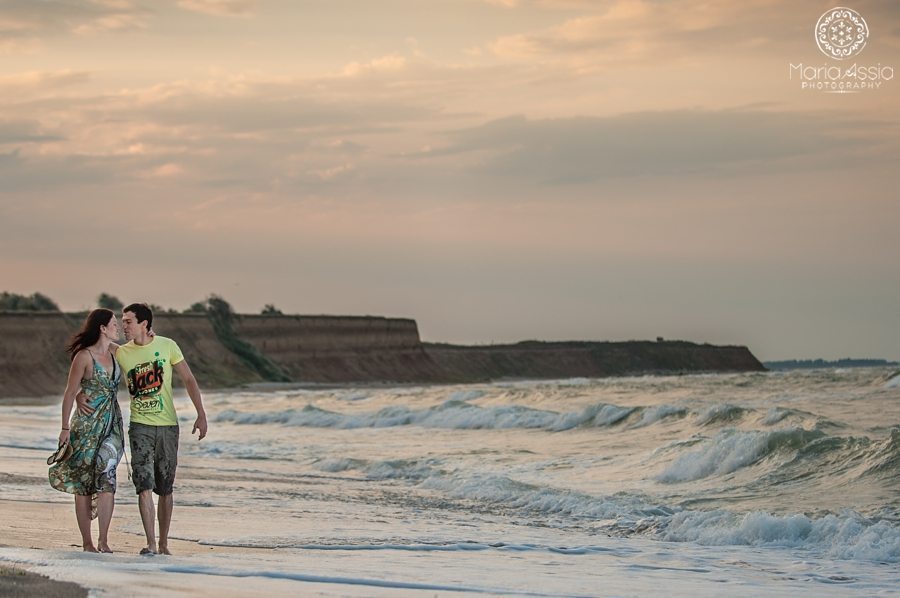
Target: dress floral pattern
x=97 y=439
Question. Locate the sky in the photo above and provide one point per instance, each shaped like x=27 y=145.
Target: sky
x=499 y=170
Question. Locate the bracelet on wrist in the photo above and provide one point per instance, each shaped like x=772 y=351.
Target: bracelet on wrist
x=65 y=428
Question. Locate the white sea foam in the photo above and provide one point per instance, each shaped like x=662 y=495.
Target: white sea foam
x=893 y=382
x=845 y=536
x=339 y=465
x=775 y=415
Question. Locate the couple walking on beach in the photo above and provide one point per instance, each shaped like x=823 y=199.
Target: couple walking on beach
x=91 y=442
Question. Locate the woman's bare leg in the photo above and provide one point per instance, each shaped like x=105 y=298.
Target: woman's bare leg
x=106 y=502
x=83 y=516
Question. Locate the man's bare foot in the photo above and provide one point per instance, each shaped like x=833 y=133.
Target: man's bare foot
x=164 y=549
x=104 y=547
x=88 y=548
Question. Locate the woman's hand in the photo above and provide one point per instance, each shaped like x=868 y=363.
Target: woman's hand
x=63 y=437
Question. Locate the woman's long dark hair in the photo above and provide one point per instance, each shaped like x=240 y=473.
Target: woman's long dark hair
x=90 y=331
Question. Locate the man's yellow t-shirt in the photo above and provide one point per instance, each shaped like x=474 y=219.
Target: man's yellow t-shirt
x=148 y=374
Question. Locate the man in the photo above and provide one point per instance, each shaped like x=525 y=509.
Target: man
x=147 y=361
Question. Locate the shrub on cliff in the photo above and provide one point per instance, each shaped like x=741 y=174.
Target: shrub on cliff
x=196 y=308
x=221 y=316
x=109 y=302
x=35 y=302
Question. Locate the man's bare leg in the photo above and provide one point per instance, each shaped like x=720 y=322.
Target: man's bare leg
x=106 y=502
x=145 y=504
x=164 y=511
x=83 y=516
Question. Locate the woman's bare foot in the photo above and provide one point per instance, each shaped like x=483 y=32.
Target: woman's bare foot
x=164 y=549
x=88 y=547
x=104 y=547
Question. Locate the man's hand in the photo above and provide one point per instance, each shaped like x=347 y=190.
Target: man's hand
x=201 y=425
x=81 y=400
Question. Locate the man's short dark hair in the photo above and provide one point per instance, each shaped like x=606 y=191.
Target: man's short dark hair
x=142 y=312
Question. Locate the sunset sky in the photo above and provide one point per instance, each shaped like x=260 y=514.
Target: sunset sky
x=498 y=170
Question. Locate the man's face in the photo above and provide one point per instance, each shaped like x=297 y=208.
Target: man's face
x=130 y=325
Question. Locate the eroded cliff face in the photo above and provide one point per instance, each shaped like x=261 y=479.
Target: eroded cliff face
x=341 y=348
x=33 y=361
x=347 y=349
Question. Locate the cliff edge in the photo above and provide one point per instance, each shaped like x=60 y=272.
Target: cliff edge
x=347 y=349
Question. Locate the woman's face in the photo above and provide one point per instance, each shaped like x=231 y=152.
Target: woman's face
x=111 y=330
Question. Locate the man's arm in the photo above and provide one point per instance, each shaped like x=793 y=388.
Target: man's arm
x=193 y=389
x=81 y=399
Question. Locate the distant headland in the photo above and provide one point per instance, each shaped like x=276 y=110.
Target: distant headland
x=811 y=364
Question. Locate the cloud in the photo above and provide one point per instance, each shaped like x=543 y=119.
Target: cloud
x=685 y=142
x=38 y=18
x=21 y=173
x=168 y=169
x=629 y=31
x=24 y=131
x=221 y=8
x=266 y=134
x=36 y=83
x=393 y=62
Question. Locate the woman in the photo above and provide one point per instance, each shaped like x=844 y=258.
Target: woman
x=96 y=439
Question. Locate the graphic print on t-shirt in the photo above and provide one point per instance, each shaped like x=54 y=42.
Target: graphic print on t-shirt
x=145 y=380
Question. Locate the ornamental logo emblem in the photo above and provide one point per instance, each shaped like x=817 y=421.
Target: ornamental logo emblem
x=841 y=33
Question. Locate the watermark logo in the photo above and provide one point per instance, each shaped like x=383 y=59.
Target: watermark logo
x=841 y=33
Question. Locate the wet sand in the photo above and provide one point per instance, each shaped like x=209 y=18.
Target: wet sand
x=20 y=583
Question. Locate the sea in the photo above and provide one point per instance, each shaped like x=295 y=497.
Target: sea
x=754 y=484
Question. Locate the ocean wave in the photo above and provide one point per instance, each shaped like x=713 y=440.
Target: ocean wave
x=775 y=414
x=495 y=492
x=845 y=536
x=859 y=456
x=731 y=450
x=718 y=414
x=651 y=415
x=339 y=465
x=885 y=456
x=453 y=414
x=391 y=469
x=848 y=536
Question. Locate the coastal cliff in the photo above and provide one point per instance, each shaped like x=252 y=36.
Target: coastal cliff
x=347 y=349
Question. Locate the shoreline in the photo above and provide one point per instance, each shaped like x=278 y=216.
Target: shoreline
x=266 y=387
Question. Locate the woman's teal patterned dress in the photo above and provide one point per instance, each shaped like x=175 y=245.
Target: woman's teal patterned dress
x=97 y=439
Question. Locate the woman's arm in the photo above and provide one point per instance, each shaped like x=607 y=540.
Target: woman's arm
x=73 y=385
